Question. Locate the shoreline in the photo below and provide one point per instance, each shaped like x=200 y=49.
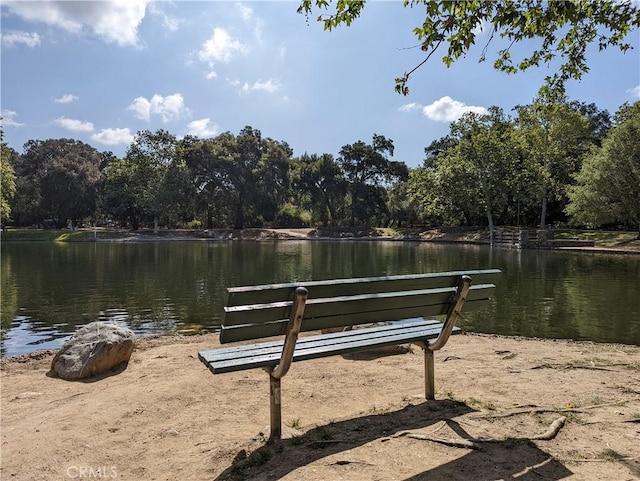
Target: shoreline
x=620 y=243
x=167 y=417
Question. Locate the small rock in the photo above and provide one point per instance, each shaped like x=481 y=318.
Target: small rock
x=94 y=349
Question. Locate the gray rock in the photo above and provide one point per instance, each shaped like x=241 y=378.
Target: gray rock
x=94 y=349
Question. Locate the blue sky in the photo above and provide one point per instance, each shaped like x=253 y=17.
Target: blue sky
x=101 y=71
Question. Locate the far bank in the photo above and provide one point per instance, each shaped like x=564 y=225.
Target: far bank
x=622 y=242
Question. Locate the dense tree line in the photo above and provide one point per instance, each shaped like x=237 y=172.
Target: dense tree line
x=553 y=162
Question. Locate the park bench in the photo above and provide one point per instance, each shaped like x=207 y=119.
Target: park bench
x=398 y=307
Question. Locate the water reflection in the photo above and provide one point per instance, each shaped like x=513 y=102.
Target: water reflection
x=48 y=290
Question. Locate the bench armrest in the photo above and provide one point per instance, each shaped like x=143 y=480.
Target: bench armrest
x=455 y=308
x=293 y=329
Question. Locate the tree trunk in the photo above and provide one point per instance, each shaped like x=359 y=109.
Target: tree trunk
x=543 y=215
x=239 y=217
x=491 y=226
x=209 y=218
x=156 y=225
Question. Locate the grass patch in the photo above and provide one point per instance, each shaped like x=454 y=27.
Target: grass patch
x=448 y=393
x=294 y=423
x=572 y=417
x=483 y=404
x=600 y=237
x=41 y=235
x=610 y=455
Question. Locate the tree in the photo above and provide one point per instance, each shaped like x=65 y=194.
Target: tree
x=486 y=151
x=319 y=178
x=368 y=172
x=240 y=180
x=564 y=28
x=200 y=159
x=273 y=180
x=151 y=184
x=399 y=205
x=608 y=184
x=117 y=194
x=599 y=120
x=57 y=180
x=557 y=138
x=7 y=179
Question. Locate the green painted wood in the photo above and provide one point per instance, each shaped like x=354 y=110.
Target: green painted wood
x=327 y=307
x=264 y=294
x=248 y=350
x=275 y=328
x=374 y=338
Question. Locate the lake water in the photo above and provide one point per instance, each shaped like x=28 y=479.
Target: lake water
x=50 y=289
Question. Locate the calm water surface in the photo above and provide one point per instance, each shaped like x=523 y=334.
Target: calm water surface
x=50 y=289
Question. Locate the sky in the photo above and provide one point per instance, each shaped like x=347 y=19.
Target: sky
x=100 y=71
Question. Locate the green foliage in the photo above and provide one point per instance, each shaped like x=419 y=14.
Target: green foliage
x=7 y=180
x=488 y=158
x=564 y=29
x=608 y=184
x=320 y=186
x=487 y=167
x=368 y=171
x=56 y=179
x=556 y=138
x=241 y=180
x=471 y=172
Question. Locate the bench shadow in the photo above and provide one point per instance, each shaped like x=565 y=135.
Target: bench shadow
x=514 y=459
x=276 y=460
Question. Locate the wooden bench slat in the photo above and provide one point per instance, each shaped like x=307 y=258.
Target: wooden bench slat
x=263 y=294
x=327 y=307
x=247 y=350
x=314 y=347
x=275 y=328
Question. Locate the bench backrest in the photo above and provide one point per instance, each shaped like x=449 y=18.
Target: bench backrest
x=255 y=312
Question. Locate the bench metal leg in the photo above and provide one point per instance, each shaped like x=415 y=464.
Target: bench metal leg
x=429 y=381
x=275 y=407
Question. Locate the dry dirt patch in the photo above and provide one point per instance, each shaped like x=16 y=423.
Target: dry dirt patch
x=166 y=417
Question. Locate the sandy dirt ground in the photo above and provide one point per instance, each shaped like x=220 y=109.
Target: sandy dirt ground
x=166 y=417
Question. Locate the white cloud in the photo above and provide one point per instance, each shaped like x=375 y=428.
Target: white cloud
x=270 y=86
x=168 y=108
x=74 y=125
x=635 y=91
x=66 y=99
x=409 y=107
x=201 y=128
x=25 y=38
x=447 y=110
x=115 y=21
x=246 y=12
x=8 y=118
x=113 y=136
x=211 y=75
x=221 y=47
x=170 y=23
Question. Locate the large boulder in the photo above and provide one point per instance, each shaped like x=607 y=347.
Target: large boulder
x=94 y=349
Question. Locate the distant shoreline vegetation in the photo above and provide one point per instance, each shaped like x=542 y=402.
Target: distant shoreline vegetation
x=555 y=163
x=611 y=240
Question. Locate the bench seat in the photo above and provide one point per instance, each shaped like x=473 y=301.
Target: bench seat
x=268 y=354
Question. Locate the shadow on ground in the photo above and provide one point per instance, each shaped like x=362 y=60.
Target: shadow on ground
x=511 y=459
